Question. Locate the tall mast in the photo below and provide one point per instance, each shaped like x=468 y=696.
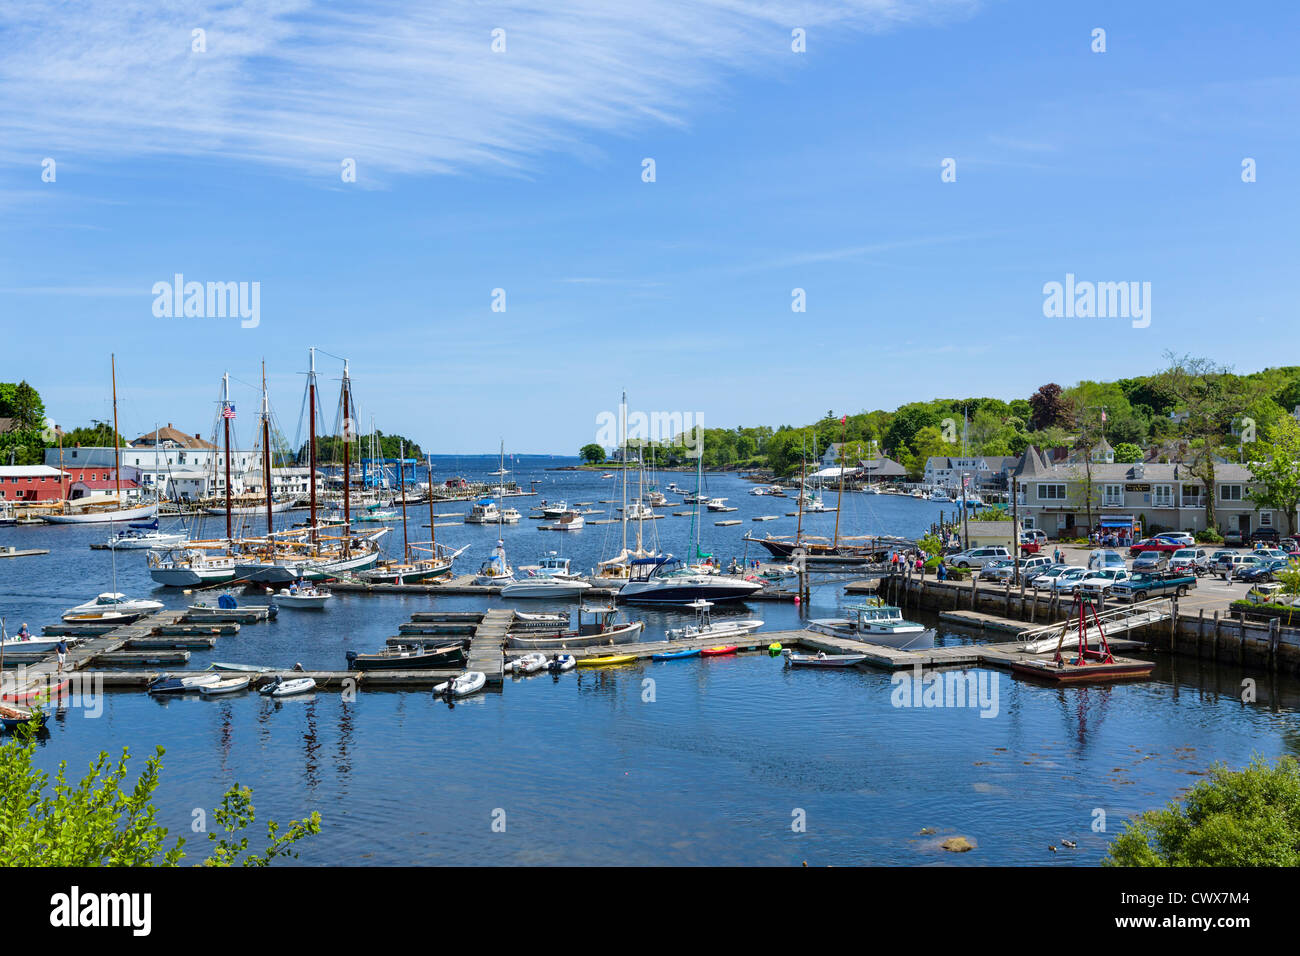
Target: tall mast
x=347 y=473
x=640 y=496
x=401 y=487
x=225 y=420
x=433 y=535
x=117 y=470
x=803 y=467
x=839 y=498
x=266 y=449
x=311 y=418
x=622 y=415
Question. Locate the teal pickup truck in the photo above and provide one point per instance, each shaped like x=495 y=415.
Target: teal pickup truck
x=1153 y=584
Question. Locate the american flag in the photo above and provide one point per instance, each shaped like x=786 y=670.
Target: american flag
x=228 y=411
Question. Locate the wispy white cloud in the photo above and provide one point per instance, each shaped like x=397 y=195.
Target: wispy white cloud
x=400 y=87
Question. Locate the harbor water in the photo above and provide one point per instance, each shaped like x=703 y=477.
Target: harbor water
x=735 y=760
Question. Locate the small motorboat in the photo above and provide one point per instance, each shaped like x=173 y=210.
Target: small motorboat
x=303 y=596
x=243 y=668
x=530 y=663
x=674 y=655
x=607 y=661
x=11 y=718
x=111 y=608
x=408 y=657
x=232 y=686
x=544 y=586
x=718 y=651
x=822 y=659
x=179 y=685
x=471 y=682
x=280 y=687
x=705 y=627
x=561 y=663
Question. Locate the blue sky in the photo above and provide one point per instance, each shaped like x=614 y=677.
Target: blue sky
x=521 y=170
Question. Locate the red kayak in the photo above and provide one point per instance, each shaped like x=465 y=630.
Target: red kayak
x=718 y=651
x=43 y=691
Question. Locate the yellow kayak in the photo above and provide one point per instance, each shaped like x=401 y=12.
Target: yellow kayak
x=606 y=661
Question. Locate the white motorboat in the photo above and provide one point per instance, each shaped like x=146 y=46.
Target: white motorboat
x=142 y=536
x=496 y=569
x=302 y=596
x=510 y=516
x=189 y=568
x=663 y=580
x=551 y=565
x=288 y=687
x=706 y=627
x=639 y=511
x=231 y=686
x=544 y=586
x=822 y=659
x=165 y=684
x=554 y=509
x=41 y=645
x=569 y=520
x=471 y=682
x=483 y=512
x=552 y=631
x=716 y=504
x=111 y=607
x=872 y=623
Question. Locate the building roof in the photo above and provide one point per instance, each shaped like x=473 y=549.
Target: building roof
x=1032 y=464
x=1141 y=471
x=29 y=471
x=162 y=436
x=98 y=484
x=882 y=468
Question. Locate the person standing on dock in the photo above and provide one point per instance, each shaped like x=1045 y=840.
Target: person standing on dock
x=62 y=649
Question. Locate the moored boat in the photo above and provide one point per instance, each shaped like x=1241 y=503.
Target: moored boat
x=408 y=657
x=222 y=687
x=603 y=628
x=471 y=682
x=822 y=659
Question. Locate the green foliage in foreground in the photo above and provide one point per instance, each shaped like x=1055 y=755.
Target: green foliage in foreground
x=98 y=822
x=1247 y=817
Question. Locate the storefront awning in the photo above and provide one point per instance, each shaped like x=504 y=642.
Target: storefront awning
x=1117 y=521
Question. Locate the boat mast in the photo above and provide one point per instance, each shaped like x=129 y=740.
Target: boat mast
x=401 y=487
x=347 y=474
x=622 y=415
x=266 y=449
x=311 y=418
x=699 y=481
x=225 y=420
x=117 y=469
x=433 y=535
x=640 y=496
x=803 y=467
x=839 y=497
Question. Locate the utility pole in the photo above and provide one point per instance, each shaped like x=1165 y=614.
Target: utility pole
x=965 y=512
x=1015 y=526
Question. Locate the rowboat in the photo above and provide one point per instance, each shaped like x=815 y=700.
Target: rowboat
x=408 y=657
x=718 y=651
x=287 y=688
x=471 y=682
x=561 y=662
x=242 y=668
x=823 y=660
x=13 y=717
x=674 y=655
x=607 y=661
x=179 y=685
x=41 y=690
x=232 y=686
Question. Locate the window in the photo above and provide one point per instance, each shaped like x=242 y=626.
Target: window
x=1113 y=495
x=1162 y=496
x=1193 y=496
x=1266 y=519
x=1051 y=492
x=1230 y=492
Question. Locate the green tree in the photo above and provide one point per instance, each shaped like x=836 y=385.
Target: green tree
x=1127 y=453
x=592 y=454
x=99 y=822
x=1247 y=817
x=1276 y=476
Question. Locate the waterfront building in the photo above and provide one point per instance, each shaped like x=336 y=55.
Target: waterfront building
x=32 y=483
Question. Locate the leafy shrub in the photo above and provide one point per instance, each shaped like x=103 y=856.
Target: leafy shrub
x=1209 y=536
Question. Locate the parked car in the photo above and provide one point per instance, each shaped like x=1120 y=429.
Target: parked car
x=1289 y=546
x=1196 y=560
x=1100 y=582
x=1269 y=553
x=1140 y=587
x=1000 y=570
x=1037 y=534
x=977 y=557
x=1220 y=559
x=1182 y=538
x=1069 y=579
x=1234 y=539
x=1269 y=535
x=1103 y=558
x=1263 y=571
x=1029 y=567
x=1155 y=544
x=1044 y=577
x=1149 y=561
x=1236 y=564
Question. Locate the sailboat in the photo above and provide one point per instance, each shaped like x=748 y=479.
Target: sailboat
x=620 y=566
x=412 y=569
x=94 y=514
x=663 y=580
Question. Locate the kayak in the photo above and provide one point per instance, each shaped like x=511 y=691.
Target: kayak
x=606 y=661
x=471 y=682
x=674 y=655
x=718 y=651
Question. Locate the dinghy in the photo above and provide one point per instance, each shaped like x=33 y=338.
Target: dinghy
x=232 y=686
x=471 y=682
x=530 y=663
x=288 y=688
x=561 y=663
x=13 y=717
x=164 y=684
x=412 y=657
x=822 y=659
x=242 y=668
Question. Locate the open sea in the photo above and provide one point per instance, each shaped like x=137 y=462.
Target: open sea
x=718 y=761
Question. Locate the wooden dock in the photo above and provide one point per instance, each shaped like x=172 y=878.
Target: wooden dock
x=485 y=646
x=22 y=552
